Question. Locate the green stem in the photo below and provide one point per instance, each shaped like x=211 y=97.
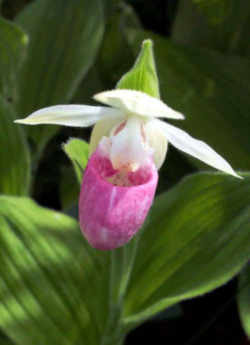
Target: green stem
x=122 y=260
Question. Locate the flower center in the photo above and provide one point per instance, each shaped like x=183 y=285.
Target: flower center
x=128 y=149
x=121 y=177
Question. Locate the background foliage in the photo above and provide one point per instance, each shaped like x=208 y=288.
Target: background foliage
x=56 y=289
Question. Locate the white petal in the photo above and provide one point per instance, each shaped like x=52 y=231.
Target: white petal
x=128 y=147
x=72 y=115
x=137 y=102
x=103 y=129
x=157 y=140
x=196 y=148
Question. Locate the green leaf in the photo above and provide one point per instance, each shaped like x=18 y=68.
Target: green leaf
x=77 y=150
x=196 y=238
x=64 y=38
x=244 y=299
x=218 y=24
x=143 y=75
x=14 y=154
x=53 y=286
x=13 y=43
x=211 y=90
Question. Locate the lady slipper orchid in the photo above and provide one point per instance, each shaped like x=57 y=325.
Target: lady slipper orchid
x=128 y=144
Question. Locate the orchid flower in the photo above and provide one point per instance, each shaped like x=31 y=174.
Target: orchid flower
x=127 y=147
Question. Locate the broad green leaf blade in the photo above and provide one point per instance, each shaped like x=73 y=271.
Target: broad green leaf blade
x=221 y=25
x=14 y=154
x=244 y=299
x=77 y=150
x=143 y=75
x=53 y=286
x=63 y=46
x=212 y=91
x=13 y=43
x=197 y=237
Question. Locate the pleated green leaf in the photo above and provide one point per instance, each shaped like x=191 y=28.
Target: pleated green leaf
x=14 y=154
x=53 y=286
x=197 y=237
x=244 y=299
x=13 y=43
x=211 y=90
x=64 y=38
x=77 y=150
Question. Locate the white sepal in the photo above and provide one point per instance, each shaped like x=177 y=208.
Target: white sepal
x=138 y=103
x=196 y=148
x=71 y=115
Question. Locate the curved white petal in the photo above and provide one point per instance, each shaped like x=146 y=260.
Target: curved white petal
x=103 y=129
x=137 y=102
x=72 y=115
x=196 y=148
x=157 y=140
x=128 y=147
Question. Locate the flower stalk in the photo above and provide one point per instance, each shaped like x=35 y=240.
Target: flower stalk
x=121 y=266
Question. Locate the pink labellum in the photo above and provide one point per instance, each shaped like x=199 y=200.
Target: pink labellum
x=113 y=205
